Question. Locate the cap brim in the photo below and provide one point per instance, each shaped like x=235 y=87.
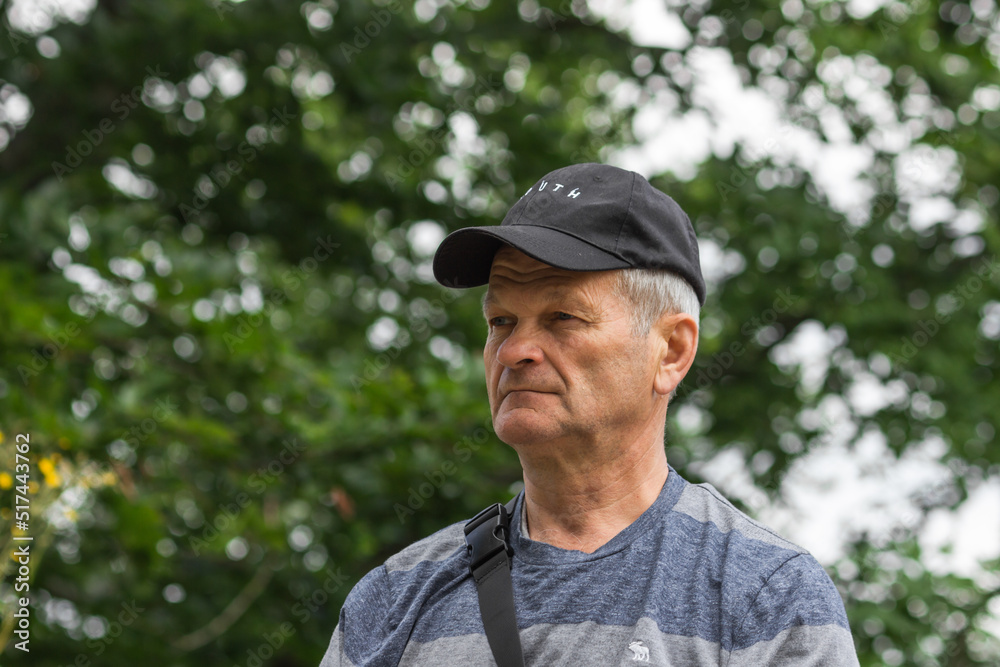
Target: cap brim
x=465 y=257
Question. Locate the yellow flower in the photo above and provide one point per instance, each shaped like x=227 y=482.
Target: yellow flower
x=53 y=479
x=1 y=437
x=45 y=465
x=6 y=481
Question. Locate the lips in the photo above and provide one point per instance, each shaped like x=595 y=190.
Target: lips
x=508 y=392
x=506 y=387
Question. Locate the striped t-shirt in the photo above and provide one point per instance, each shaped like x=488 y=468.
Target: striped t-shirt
x=693 y=581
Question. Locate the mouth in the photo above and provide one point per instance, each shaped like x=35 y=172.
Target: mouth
x=524 y=391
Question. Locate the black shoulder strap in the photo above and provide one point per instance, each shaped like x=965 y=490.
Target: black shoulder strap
x=487 y=537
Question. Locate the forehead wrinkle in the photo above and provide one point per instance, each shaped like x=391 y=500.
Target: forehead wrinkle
x=523 y=275
x=560 y=290
x=502 y=277
x=515 y=263
x=514 y=269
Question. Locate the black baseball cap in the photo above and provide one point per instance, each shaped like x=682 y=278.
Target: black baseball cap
x=585 y=217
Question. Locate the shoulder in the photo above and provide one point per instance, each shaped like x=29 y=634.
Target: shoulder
x=766 y=573
x=383 y=599
x=799 y=606
x=777 y=593
x=772 y=557
x=434 y=548
x=379 y=587
x=802 y=593
x=704 y=504
x=376 y=588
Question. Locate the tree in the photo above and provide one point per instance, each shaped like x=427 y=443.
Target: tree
x=243 y=390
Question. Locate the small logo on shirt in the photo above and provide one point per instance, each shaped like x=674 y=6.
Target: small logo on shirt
x=640 y=652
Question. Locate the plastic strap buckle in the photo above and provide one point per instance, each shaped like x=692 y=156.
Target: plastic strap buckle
x=486 y=535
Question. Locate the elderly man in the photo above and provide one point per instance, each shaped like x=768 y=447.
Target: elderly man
x=608 y=556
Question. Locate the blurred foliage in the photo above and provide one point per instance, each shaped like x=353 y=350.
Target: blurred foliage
x=243 y=390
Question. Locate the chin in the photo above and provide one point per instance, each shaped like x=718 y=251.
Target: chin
x=517 y=430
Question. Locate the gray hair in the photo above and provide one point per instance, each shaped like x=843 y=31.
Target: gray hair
x=652 y=293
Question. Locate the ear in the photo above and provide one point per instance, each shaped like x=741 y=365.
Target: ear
x=676 y=337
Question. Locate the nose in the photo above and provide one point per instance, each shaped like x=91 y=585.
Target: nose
x=521 y=347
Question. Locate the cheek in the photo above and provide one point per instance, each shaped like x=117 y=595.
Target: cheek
x=625 y=373
x=491 y=367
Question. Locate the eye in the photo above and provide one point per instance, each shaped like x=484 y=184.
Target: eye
x=498 y=321
x=564 y=316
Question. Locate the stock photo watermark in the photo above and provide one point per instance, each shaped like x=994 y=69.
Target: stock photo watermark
x=122 y=106
x=255 y=485
x=303 y=610
x=376 y=365
x=462 y=451
x=911 y=345
x=722 y=362
x=223 y=174
x=291 y=280
x=379 y=18
x=425 y=147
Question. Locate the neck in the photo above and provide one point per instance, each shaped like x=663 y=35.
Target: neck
x=573 y=507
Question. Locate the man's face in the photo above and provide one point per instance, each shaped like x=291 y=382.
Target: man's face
x=561 y=363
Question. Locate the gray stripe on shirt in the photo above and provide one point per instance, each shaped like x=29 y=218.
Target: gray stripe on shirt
x=701 y=502
x=334 y=656
x=801 y=646
x=585 y=643
x=547 y=644
x=437 y=547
